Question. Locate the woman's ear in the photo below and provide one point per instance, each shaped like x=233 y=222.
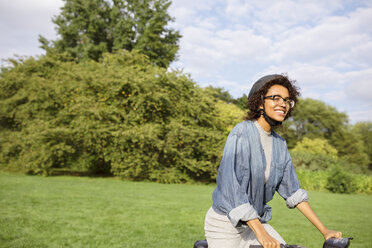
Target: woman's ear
x=262 y=102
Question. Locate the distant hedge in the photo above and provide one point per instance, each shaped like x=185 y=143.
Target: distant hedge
x=121 y=116
x=335 y=180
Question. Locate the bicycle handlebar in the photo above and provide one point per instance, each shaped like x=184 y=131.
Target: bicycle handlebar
x=281 y=246
x=329 y=243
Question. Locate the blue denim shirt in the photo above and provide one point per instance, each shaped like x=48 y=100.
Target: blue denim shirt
x=241 y=191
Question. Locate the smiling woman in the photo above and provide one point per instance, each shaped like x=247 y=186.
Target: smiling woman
x=267 y=88
x=255 y=164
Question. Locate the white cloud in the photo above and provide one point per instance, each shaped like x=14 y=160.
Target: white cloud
x=187 y=12
x=238 y=9
x=310 y=75
x=359 y=85
x=206 y=51
x=21 y=21
x=242 y=44
x=24 y=14
x=360 y=115
x=361 y=55
x=273 y=18
x=335 y=38
x=290 y=13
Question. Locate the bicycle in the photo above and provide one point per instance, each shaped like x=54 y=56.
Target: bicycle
x=329 y=243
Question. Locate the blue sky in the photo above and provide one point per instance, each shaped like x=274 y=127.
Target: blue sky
x=326 y=46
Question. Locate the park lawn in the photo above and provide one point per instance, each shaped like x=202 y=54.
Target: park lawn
x=64 y=211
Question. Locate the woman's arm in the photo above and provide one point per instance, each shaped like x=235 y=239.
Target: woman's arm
x=306 y=210
x=262 y=236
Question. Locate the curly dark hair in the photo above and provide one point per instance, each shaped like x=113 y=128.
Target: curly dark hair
x=254 y=101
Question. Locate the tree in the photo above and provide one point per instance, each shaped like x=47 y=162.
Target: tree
x=316 y=146
x=229 y=115
x=220 y=93
x=364 y=132
x=224 y=95
x=314 y=154
x=241 y=102
x=315 y=119
x=88 y=28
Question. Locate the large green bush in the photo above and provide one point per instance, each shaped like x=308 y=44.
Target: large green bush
x=121 y=115
x=339 y=181
x=335 y=180
x=316 y=146
x=312 y=180
x=313 y=154
x=310 y=161
x=363 y=184
x=318 y=154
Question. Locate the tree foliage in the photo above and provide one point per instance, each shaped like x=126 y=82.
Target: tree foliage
x=224 y=95
x=89 y=28
x=315 y=146
x=340 y=181
x=241 y=102
x=220 y=93
x=314 y=119
x=335 y=180
x=314 y=154
x=363 y=131
x=121 y=115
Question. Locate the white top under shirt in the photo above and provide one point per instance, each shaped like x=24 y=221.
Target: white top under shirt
x=267 y=144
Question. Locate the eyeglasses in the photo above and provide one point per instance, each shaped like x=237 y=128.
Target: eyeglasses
x=278 y=100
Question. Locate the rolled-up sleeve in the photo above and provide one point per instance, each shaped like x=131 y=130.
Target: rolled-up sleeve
x=289 y=187
x=243 y=212
x=232 y=182
x=299 y=196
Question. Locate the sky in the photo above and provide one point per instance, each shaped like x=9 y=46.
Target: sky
x=326 y=46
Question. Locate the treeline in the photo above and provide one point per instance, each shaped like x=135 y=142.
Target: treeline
x=127 y=117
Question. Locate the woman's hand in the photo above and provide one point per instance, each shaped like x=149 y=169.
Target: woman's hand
x=262 y=236
x=332 y=234
x=267 y=241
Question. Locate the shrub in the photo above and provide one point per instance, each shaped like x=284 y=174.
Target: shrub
x=313 y=154
x=340 y=182
x=316 y=146
x=363 y=184
x=335 y=180
x=312 y=180
x=310 y=161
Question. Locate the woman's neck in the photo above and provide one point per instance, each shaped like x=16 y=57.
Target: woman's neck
x=263 y=123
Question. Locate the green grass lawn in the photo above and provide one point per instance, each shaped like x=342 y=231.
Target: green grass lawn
x=66 y=211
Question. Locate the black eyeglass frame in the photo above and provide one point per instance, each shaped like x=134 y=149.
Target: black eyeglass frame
x=288 y=101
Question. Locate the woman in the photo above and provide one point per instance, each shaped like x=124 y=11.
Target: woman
x=255 y=164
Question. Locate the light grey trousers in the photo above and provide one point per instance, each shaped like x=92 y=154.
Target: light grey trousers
x=220 y=233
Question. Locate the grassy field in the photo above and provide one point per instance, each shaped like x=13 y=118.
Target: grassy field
x=66 y=211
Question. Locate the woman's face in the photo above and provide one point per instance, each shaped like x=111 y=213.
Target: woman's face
x=275 y=109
